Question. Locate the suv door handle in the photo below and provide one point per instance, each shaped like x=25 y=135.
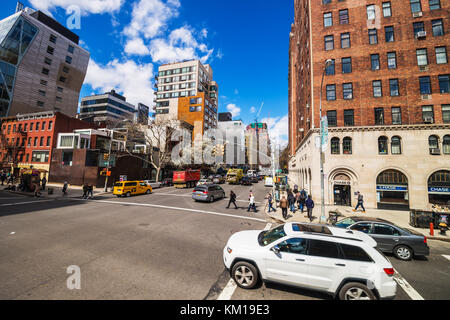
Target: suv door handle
x=340 y=264
x=301 y=260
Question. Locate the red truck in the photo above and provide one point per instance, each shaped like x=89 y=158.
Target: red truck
x=186 y=179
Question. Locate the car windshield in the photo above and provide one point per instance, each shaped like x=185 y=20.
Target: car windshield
x=199 y=189
x=267 y=237
x=344 y=223
x=118 y=184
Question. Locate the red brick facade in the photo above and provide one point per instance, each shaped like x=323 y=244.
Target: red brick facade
x=362 y=76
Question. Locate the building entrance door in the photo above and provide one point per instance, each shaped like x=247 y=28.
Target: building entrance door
x=342 y=195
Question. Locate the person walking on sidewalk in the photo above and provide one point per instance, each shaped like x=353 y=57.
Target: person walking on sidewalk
x=37 y=190
x=284 y=207
x=85 y=190
x=44 y=182
x=3 y=176
x=291 y=201
x=301 y=200
x=64 y=189
x=251 y=204
x=309 y=207
x=232 y=200
x=90 y=191
x=360 y=202
x=270 y=203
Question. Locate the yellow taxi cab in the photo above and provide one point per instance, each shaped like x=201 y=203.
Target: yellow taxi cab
x=131 y=188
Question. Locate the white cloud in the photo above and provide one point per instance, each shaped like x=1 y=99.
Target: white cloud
x=136 y=46
x=252 y=110
x=235 y=110
x=86 y=6
x=129 y=78
x=150 y=17
x=180 y=45
x=278 y=129
x=236 y=91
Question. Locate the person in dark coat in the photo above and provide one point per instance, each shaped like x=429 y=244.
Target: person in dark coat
x=270 y=202
x=232 y=200
x=291 y=201
x=85 y=190
x=90 y=191
x=44 y=182
x=309 y=206
x=302 y=200
x=65 y=186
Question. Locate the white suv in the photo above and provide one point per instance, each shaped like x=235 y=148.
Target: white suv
x=343 y=263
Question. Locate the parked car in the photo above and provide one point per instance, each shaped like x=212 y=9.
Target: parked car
x=131 y=188
x=311 y=256
x=254 y=178
x=204 y=181
x=261 y=177
x=208 y=193
x=246 y=181
x=167 y=182
x=403 y=243
x=153 y=183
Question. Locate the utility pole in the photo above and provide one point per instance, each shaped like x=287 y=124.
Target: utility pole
x=109 y=160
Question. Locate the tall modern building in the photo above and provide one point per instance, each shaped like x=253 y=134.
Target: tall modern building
x=257 y=143
x=142 y=113
x=109 y=108
x=186 y=91
x=42 y=67
x=386 y=96
x=231 y=135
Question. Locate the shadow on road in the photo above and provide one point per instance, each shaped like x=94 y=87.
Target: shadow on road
x=299 y=291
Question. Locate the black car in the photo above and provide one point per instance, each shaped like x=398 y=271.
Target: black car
x=246 y=181
x=254 y=178
x=403 y=243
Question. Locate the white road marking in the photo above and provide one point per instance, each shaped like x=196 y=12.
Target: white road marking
x=446 y=256
x=190 y=195
x=26 y=202
x=231 y=286
x=410 y=291
x=175 y=208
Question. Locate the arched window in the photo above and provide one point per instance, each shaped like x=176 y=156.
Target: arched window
x=383 y=145
x=347 y=145
x=396 y=145
x=446 y=144
x=335 y=146
x=433 y=143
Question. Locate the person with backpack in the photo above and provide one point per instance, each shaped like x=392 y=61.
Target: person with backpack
x=232 y=200
x=360 y=202
x=309 y=207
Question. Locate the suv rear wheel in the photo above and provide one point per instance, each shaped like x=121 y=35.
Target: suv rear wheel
x=245 y=275
x=356 y=291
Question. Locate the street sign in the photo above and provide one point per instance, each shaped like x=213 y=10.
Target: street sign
x=324 y=133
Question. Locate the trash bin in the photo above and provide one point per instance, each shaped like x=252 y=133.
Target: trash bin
x=437 y=217
x=421 y=219
x=50 y=190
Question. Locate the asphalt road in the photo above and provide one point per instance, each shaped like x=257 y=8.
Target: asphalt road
x=158 y=246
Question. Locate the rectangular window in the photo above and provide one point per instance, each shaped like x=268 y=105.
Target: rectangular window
x=379 y=116
x=415 y=6
x=343 y=16
x=377 y=90
x=48 y=141
x=438 y=27
x=332 y=118
x=441 y=55
x=348 y=118
x=393 y=87
x=68 y=59
x=370 y=12
x=389 y=33
x=392 y=60
x=43 y=126
x=446 y=113
x=59 y=89
x=434 y=4
x=31 y=127
x=427 y=114
x=70 y=48
x=50 y=50
x=39 y=156
x=326 y=1
x=45 y=71
x=347 y=90
x=329 y=43
x=43 y=82
x=48 y=61
x=373 y=36
x=327 y=19
x=418 y=27
x=387 y=12
x=331 y=92
x=422 y=58
x=35 y=141
x=396 y=115
x=42 y=93
x=62 y=79
x=65 y=69
x=50 y=125
x=37 y=126
x=425 y=85
x=346 y=65
x=375 y=61
x=58 y=99
x=52 y=38
x=345 y=40
x=329 y=70
x=41 y=144
x=40 y=103
x=444 y=83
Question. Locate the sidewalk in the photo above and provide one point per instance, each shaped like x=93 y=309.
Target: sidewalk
x=400 y=218
x=72 y=191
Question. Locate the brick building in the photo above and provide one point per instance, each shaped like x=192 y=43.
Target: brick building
x=386 y=95
x=29 y=139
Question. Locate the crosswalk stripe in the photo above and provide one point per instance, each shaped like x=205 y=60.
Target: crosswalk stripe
x=410 y=291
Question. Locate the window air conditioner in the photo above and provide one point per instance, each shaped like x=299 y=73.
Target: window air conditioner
x=426 y=96
x=421 y=34
x=428 y=120
x=417 y=14
x=435 y=151
x=423 y=68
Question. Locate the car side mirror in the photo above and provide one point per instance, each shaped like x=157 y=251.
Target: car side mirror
x=275 y=249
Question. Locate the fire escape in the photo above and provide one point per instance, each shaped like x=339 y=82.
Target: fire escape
x=11 y=149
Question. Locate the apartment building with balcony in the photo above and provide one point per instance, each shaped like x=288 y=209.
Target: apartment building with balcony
x=186 y=91
x=42 y=66
x=385 y=95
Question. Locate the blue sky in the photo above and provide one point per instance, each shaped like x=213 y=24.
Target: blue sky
x=245 y=41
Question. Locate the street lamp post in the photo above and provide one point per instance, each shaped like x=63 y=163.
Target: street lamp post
x=322 y=175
